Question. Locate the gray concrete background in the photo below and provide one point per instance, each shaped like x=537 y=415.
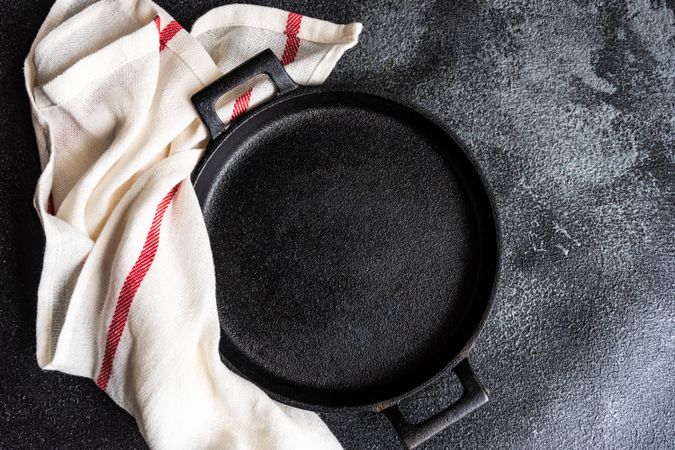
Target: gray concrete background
x=569 y=106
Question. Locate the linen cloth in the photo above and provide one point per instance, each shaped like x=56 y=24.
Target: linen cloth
x=127 y=291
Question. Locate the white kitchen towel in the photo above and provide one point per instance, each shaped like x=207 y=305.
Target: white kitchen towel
x=127 y=293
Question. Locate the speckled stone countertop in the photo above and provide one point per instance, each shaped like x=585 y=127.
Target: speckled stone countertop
x=569 y=106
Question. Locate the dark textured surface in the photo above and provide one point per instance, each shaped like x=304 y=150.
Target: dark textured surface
x=569 y=108
x=354 y=247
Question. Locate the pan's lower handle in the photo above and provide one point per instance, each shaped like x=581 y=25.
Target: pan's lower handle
x=264 y=62
x=473 y=396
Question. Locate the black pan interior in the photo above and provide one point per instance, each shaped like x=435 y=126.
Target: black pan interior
x=354 y=248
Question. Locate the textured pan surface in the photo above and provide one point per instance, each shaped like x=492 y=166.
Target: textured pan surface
x=354 y=249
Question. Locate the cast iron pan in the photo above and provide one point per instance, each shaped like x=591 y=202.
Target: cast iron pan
x=355 y=248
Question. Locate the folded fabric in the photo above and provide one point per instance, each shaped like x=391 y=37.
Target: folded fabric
x=127 y=292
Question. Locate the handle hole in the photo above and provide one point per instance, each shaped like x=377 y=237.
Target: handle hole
x=432 y=399
x=264 y=87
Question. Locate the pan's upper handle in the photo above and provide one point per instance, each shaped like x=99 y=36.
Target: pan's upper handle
x=473 y=396
x=264 y=62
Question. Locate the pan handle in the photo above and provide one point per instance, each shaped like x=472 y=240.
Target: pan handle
x=264 y=62
x=474 y=395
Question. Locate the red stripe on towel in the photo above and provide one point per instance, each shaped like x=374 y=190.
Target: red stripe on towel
x=293 y=22
x=168 y=33
x=50 y=205
x=292 y=41
x=241 y=104
x=129 y=289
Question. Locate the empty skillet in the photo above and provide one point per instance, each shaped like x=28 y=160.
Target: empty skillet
x=355 y=248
